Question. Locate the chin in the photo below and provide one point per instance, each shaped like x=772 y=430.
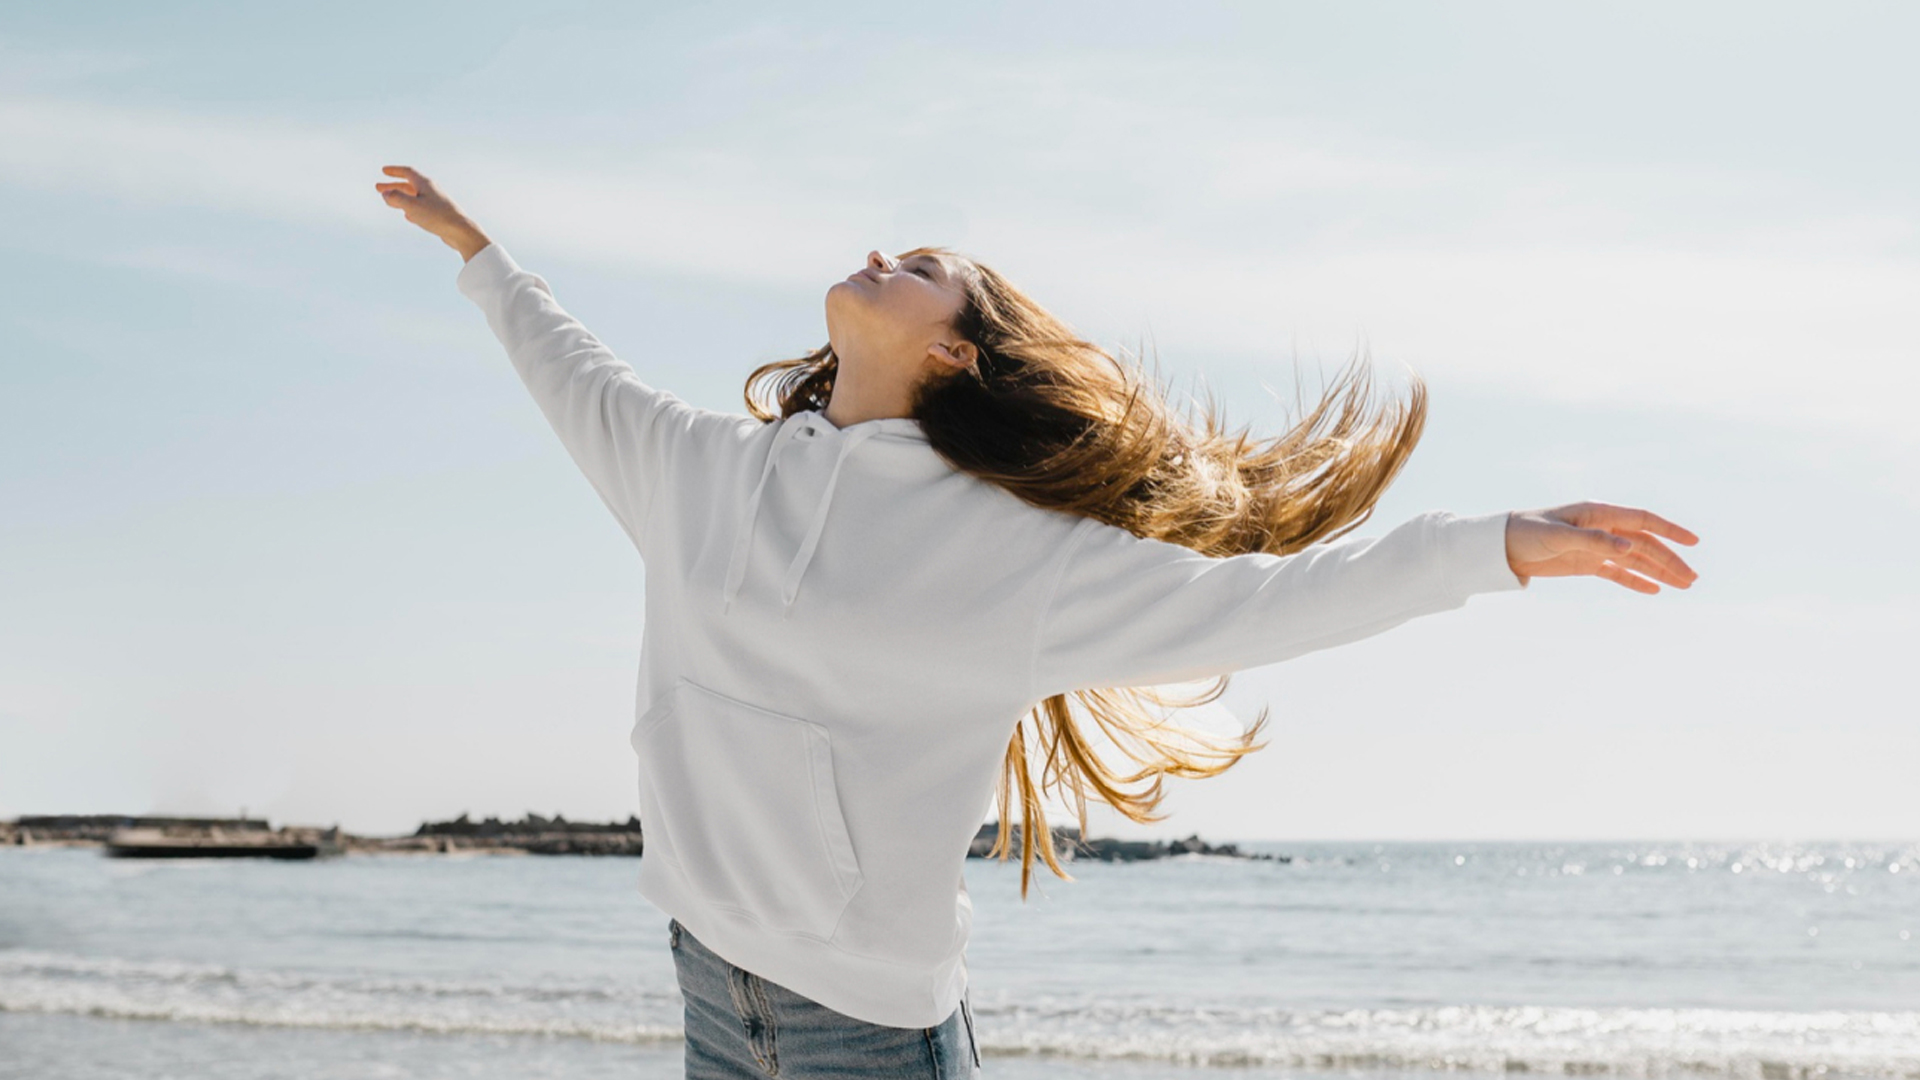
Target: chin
x=841 y=293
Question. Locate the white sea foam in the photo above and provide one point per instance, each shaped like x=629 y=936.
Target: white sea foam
x=1641 y=1042
x=1633 y=1042
x=202 y=993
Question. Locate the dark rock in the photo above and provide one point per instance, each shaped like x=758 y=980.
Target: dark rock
x=535 y=834
x=1068 y=842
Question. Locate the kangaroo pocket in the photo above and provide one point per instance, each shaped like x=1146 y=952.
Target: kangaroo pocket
x=747 y=802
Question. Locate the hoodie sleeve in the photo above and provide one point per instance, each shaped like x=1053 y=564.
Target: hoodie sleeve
x=623 y=433
x=1127 y=611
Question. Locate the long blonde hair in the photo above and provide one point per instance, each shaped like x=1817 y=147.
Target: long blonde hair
x=1065 y=425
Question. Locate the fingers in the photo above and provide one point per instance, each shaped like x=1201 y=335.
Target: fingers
x=412 y=184
x=1628 y=519
x=1624 y=559
x=1656 y=560
x=1638 y=552
x=1619 y=575
x=1647 y=567
x=1601 y=542
x=1648 y=521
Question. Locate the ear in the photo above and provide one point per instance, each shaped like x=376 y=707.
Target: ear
x=959 y=356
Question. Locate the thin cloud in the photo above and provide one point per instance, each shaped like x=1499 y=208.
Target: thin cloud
x=1600 y=289
x=164 y=158
x=24 y=65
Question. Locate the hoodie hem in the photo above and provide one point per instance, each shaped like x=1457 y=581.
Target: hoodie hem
x=884 y=992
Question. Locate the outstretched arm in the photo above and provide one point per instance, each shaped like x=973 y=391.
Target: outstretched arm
x=627 y=436
x=1126 y=611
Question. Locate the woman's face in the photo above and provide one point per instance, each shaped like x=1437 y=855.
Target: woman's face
x=895 y=314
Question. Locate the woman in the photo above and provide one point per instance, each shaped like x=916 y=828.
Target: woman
x=955 y=521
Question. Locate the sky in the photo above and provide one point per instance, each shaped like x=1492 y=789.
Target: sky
x=281 y=531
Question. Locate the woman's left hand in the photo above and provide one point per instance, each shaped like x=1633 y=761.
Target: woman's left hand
x=428 y=207
x=1619 y=543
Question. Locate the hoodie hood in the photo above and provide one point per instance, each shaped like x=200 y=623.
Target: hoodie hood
x=811 y=424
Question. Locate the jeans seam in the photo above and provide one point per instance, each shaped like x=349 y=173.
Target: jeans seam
x=756 y=1017
x=766 y=1014
x=743 y=1009
x=973 y=1040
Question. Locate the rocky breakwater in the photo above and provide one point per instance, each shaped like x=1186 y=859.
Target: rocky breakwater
x=154 y=837
x=532 y=835
x=86 y=830
x=171 y=837
x=1068 y=845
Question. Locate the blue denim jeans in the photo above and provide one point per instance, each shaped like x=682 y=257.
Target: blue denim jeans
x=739 y=1025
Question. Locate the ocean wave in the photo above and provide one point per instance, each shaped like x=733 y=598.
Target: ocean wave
x=1621 y=1041
x=1638 y=1042
x=205 y=993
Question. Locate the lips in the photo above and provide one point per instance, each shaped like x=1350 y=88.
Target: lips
x=865 y=272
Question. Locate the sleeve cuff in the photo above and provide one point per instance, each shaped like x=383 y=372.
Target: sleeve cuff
x=1474 y=552
x=488 y=268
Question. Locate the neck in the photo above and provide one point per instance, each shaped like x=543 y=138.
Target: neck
x=855 y=400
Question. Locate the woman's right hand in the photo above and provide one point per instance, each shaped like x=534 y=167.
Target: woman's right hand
x=426 y=207
x=1619 y=543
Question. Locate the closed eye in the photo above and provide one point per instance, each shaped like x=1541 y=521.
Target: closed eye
x=922 y=271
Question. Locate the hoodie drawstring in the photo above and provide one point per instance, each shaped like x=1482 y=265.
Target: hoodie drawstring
x=791 y=586
x=743 y=543
x=737 y=563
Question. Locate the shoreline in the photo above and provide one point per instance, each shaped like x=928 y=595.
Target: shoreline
x=156 y=836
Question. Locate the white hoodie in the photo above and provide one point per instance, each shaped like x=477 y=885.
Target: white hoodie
x=842 y=631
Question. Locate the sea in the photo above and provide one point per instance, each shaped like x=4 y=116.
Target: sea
x=1768 y=961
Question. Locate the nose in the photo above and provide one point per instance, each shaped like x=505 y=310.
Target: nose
x=878 y=261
